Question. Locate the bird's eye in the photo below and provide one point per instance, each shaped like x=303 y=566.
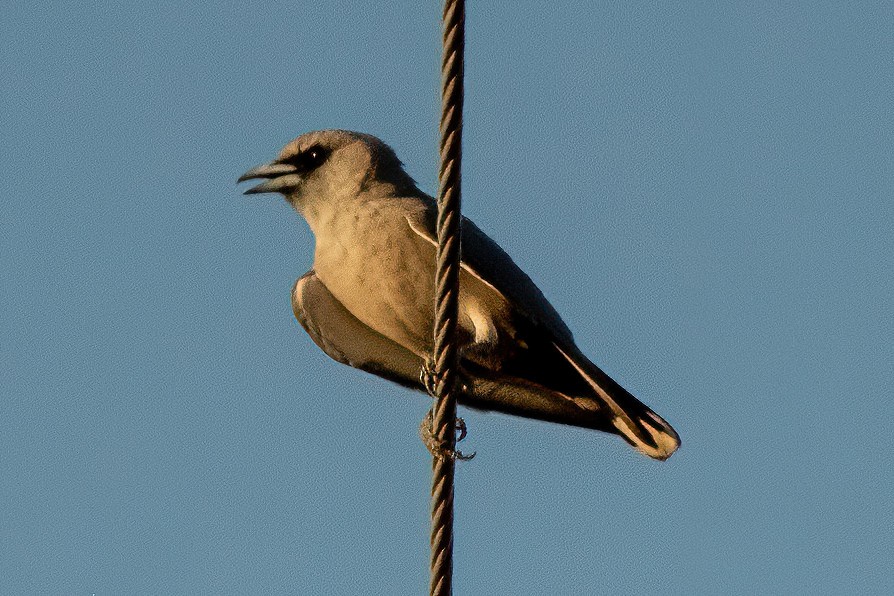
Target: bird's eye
x=310 y=159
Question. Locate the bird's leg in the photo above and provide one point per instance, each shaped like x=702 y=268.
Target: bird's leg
x=430 y=379
x=434 y=444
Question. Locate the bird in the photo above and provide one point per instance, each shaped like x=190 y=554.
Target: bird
x=368 y=300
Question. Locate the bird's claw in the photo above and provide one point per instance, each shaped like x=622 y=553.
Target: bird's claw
x=436 y=447
x=460 y=429
x=428 y=377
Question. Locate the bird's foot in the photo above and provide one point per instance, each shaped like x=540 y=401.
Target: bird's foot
x=429 y=379
x=437 y=447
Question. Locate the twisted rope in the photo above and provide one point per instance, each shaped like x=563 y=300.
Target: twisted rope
x=447 y=300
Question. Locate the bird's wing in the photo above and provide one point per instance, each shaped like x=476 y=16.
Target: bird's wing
x=484 y=260
x=345 y=339
x=542 y=352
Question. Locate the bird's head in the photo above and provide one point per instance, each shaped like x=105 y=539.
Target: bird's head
x=327 y=166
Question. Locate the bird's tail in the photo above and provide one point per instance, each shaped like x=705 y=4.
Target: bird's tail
x=645 y=430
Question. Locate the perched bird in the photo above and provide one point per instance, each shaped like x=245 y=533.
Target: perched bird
x=368 y=301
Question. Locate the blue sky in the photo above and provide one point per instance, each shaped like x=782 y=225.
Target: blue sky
x=703 y=190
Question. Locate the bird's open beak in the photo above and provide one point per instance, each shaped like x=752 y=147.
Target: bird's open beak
x=280 y=178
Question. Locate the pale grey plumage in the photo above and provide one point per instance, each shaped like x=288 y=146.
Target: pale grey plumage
x=369 y=300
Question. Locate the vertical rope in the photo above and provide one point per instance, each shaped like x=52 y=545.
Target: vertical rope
x=447 y=301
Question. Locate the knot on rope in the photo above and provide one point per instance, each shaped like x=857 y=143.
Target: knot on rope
x=439 y=449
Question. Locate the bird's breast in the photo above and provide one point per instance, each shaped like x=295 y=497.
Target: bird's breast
x=374 y=267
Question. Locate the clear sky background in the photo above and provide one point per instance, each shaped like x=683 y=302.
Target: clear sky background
x=703 y=190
